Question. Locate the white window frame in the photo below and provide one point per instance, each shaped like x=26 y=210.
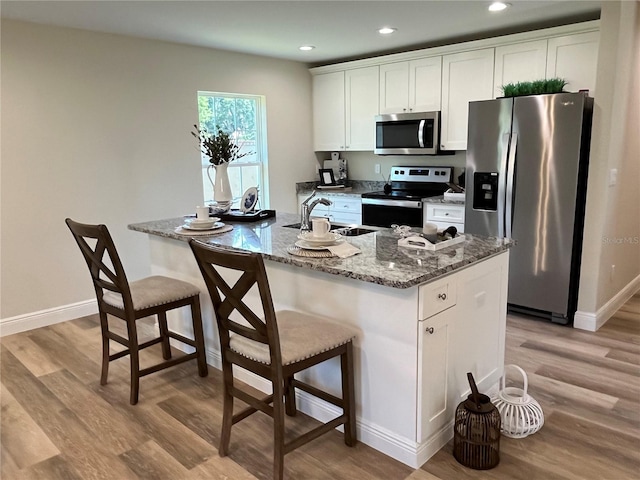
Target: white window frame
x=261 y=153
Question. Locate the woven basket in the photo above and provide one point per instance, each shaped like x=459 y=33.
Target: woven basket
x=521 y=415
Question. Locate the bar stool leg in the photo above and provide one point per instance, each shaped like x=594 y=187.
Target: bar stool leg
x=227 y=408
x=278 y=430
x=164 y=333
x=104 y=326
x=348 y=396
x=198 y=336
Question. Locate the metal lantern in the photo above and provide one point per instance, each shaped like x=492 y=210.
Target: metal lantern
x=476 y=435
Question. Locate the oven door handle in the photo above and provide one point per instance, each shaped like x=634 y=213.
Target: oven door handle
x=392 y=203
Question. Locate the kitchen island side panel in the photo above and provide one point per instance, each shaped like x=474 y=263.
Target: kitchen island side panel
x=386 y=349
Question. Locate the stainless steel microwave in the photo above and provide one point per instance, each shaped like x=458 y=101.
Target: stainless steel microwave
x=408 y=133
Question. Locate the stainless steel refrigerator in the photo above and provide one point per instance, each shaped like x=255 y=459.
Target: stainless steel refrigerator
x=526 y=178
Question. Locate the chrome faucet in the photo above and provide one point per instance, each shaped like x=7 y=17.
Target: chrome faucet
x=306 y=209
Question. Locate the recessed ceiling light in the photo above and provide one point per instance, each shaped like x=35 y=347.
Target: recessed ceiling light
x=498 y=6
x=306 y=48
x=387 y=30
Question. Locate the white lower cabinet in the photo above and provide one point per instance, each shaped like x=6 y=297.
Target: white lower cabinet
x=344 y=209
x=445 y=215
x=461 y=328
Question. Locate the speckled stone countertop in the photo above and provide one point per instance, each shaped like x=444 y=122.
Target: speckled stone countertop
x=441 y=200
x=381 y=261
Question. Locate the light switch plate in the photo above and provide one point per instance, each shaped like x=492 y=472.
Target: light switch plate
x=613 y=177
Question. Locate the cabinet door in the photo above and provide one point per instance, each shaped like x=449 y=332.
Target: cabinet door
x=480 y=306
x=520 y=62
x=394 y=87
x=466 y=77
x=436 y=399
x=425 y=84
x=361 y=87
x=574 y=58
x=328 y=112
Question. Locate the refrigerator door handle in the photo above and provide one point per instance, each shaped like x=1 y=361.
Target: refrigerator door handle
x=421 y=134
x=501 y=194
x=510 y=179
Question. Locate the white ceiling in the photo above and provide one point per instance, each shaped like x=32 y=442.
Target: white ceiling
x=340 y=29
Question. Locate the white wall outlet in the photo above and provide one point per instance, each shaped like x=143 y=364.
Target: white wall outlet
x=377 y=168
x=613 y=177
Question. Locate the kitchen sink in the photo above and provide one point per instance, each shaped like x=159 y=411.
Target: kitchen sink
x=346 y=230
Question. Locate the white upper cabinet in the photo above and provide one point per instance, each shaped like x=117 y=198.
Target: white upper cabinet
x=394 y=87
x=413 y=86
x=328 y=112
x=361 y=95
x=344 y=106
x=520 y=62
x=466 y=77
x=574 y=58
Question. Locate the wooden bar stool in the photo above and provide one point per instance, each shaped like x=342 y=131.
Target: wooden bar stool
x=274 y=346
x=132 y=301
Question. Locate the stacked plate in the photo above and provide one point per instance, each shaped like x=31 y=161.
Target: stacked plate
x=197 y=224
x=309 y=241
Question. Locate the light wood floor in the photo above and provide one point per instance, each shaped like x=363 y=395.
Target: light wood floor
x=59 y=423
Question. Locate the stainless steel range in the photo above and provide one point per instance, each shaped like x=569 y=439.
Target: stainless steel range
x=402 y=200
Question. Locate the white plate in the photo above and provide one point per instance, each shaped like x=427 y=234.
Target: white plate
x=329 y=239
x=204 y=220
x=308 y=246
x=249 y=200
x=191 y=226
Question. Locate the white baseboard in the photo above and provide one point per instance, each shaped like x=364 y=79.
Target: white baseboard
x=29 y=321
x=592 y=321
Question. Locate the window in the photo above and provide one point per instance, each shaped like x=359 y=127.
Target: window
x=245 y=117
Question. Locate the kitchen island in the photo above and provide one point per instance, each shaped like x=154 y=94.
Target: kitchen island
x=425 y=320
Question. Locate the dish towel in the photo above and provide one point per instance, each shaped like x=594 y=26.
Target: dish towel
x=343 y=250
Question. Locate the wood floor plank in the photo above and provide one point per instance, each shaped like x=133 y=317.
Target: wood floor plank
x=149 y=461
x=23 y=441
x=38 y=361
x=600 y=382
x=219 y=468
x=597 y=360
x=94 y=412
x=54 y=468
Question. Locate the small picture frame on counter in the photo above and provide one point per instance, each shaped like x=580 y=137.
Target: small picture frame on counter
x=326 y=176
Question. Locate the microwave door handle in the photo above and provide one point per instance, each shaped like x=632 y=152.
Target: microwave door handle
x=510 y=180
x=421 y=133
x=502 y=183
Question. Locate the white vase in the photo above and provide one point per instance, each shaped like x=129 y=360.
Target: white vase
x=222 y=188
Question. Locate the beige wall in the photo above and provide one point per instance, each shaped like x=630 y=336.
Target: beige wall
x=96 y=127
x=612 y=229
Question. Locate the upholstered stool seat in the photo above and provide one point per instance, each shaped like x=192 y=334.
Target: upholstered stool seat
x=153 y=291
x=301 y=336
x=275 y=346
x=132 y=301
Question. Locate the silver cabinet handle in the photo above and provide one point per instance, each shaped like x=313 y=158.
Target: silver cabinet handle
x=429 y=330
x=442 y=296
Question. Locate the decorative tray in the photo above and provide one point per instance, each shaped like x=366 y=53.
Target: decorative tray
x=417 y=241
x=239 y=216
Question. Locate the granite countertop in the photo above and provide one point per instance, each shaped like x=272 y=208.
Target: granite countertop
x=442 y=200
x=381 y=261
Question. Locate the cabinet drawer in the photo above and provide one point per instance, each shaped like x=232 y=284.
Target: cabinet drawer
x=345 y=204
x=435 y=297
x=445 y=213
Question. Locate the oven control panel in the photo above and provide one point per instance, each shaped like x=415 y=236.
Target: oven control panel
x=421 y=174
